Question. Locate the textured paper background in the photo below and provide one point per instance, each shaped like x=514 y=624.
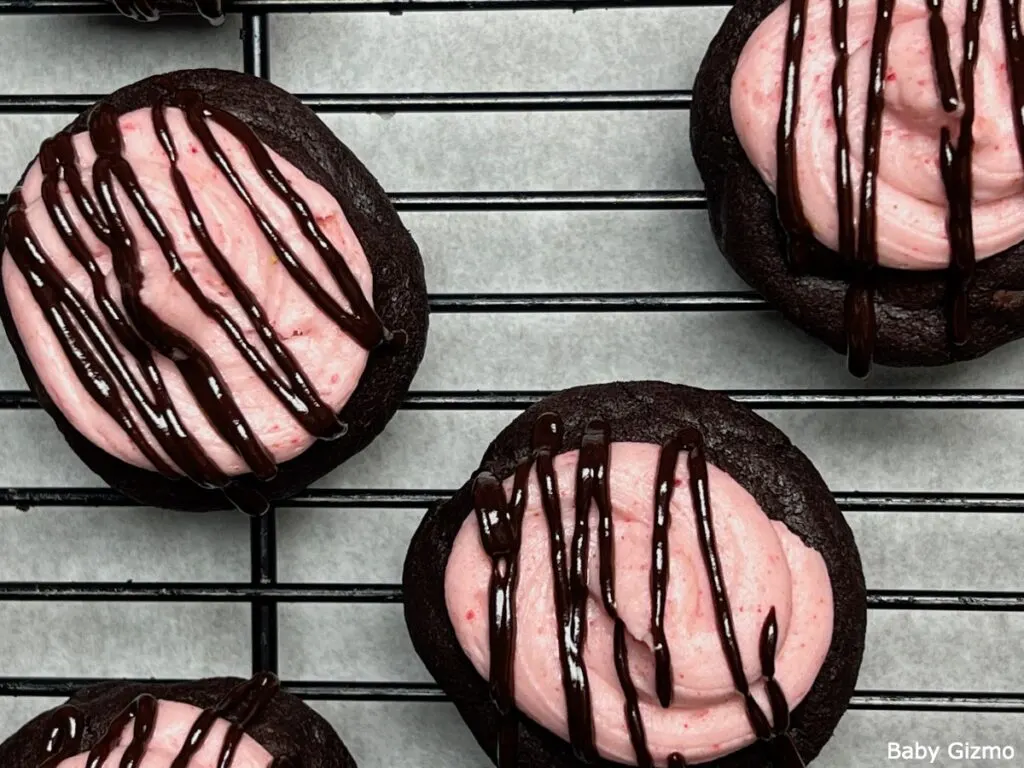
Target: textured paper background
x=875 y=450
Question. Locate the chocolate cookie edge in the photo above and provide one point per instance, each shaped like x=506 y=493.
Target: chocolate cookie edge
x=287 y=727
x=913 y=325
x=283 y=123
x=780 y=478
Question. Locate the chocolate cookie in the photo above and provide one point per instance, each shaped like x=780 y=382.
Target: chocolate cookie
x=150 y=10
x=869 y=274
x=227 y=723
x=210 y=295
x=618 y=550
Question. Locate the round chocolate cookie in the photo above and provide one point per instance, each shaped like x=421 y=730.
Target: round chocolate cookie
x=899 y=311
x=244 y=722
x=187 y=285
x=656 y=488
x=151 y=10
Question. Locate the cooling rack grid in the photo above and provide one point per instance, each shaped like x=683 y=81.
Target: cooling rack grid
x=264 y=592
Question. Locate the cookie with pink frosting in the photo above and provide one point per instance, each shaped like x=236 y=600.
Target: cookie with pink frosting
x=640 y=574
x=211 y=296
x=863 y=167
x=215 y=723
x=152 y=10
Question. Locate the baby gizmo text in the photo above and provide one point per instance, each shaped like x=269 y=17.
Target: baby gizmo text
x=955 y=751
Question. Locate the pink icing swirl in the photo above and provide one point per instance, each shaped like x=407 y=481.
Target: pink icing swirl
x=765 y=566
x=174 y=721
x=912 y=206
x=331 y=359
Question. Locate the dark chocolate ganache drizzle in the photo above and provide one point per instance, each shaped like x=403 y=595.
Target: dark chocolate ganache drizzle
x=97 y=344
x=500 y=524
x=240 y=706
x=146 y=10
x=859 y=251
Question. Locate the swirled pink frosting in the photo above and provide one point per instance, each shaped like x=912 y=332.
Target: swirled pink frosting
x=332 y=360
x=174 y=720
x=765 y=566
x=912 y=205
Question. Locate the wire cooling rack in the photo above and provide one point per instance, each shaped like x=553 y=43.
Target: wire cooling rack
x=264 y=592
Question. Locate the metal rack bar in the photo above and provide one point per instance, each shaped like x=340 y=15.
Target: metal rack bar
x=263 y=529
x=263 y=554
x=908 y=701
x=756 y=399
x=346 y=498
x=768 y=399
x=268 y=590
x=550 y=201
x=447 y=202
x=736 y=301
x=32 y=104
x=362 y=6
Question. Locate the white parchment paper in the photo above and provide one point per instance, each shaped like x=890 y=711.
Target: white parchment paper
x=872 y=450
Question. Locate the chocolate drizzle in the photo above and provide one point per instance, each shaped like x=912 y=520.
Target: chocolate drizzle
x=570 y=588
x=65 y=739
x=500 y=525
x=944 y=80
x=142 y=714
x=790 y=208
x=659 y=570
x=844 y=188
x=859 y=252
x=956 y=176
x=67 y=731
x=146 y=10
x=860 y=298
x=96 y=344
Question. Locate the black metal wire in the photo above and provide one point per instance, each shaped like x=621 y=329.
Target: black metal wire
x=345 y=498
x=263 y=554
x=738 y=301
x=268 y=590
x=264 y=592
x=448 y=202
x=317 y=690
x=361 y=6
x=765 y=400
x=550 y=201
x=263 y=529
x=390 y=103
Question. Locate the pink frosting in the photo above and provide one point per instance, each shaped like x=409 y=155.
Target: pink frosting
x=912 y=207
x=333 y=361
x=174 y=720
x=765 y=565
